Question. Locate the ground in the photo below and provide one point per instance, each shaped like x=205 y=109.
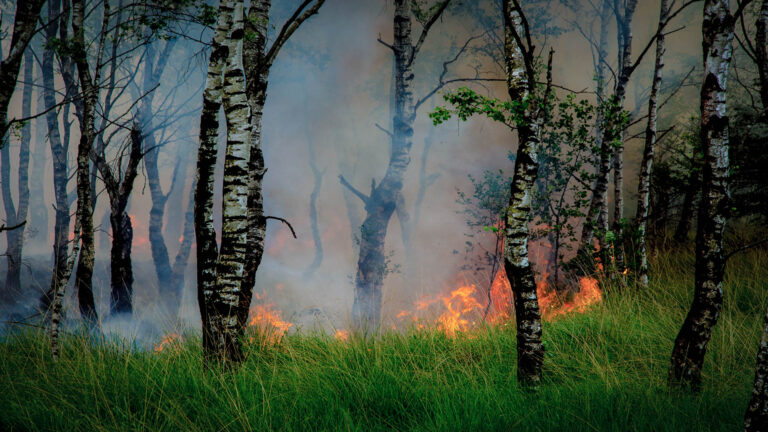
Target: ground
x=605 y=369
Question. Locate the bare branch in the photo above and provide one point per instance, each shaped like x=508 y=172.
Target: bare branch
x=384 y=130
x=283 y=221
x=11 y=228
x=290 y=26
x=352 y=189
x=425 y=29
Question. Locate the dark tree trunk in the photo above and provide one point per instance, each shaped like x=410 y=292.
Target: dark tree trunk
x=692 y=193
x=15 y=215
x=691 y=343
x=167 y=277
x=317 y=174
x=761 y=53
x=756 y=417
x=120 y=259
x=59 y=151
x=384 y=197
x=84 y=273
x=24 y=24
x=176 y=291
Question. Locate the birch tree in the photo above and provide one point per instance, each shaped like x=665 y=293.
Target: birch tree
x=644 y=184
x=24 y=25
x=226 y=274
x=526 y=111
x=691 y=343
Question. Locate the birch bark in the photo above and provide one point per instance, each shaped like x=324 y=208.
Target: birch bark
x=691 y=343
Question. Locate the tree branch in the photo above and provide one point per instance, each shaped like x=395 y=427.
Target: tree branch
x=11 y=228
x=283 y=221
x=290 y=26
x=425 y=29
x=352 y=189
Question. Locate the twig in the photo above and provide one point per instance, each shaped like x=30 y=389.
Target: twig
x=11 y=228
x=744 y=248
x=283 y=221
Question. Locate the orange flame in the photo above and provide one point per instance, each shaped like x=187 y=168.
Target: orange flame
x=461 y=309
x=168 y=340
x=269 y=321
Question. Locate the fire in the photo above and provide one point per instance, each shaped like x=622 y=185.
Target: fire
x=168 y=340
x=462 y=309
x=341 y=335
x=269 y=322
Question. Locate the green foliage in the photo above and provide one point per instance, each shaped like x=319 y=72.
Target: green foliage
x=484 y=212
x=566 y=174
x=467 y=103
x=159 y=17
x=605 y=370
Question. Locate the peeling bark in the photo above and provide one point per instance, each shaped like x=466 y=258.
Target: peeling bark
x=691 y=343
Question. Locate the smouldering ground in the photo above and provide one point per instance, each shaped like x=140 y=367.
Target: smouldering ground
x=605 y=370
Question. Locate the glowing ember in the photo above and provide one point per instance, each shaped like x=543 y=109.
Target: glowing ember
x=269 y=322
x=168 y=340
x=341 y=335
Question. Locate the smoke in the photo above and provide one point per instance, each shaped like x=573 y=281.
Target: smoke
x=331 y=85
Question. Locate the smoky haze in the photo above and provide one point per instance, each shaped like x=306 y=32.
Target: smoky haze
x=329 y=88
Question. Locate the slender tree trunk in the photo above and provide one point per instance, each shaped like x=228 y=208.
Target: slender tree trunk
x=176 y=293
x=689 y=200
x=691 y=343
x=530 y=350
x=38 y=212
x=24 y=25
x=371 y=265
x=84 y=273
x=15 y=215
x=756 y=417
x=611 y=138
x=317 y=174
x=644 y=184
x=59 y=152
x=121 y=270
x=154 y=66
x=761 y=53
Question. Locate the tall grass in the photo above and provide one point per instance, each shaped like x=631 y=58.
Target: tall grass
x=605 y=369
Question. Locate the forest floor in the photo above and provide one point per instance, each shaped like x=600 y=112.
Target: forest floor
x=605 y=369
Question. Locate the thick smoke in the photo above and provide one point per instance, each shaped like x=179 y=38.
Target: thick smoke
x=329 y=88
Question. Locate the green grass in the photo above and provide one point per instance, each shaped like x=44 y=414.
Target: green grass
x=605 y=370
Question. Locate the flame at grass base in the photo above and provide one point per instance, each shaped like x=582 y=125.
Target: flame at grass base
x=461 y=310
x=171 y=340
x=268 y=323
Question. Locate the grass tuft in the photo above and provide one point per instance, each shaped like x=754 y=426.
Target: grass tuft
x=605 y=369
